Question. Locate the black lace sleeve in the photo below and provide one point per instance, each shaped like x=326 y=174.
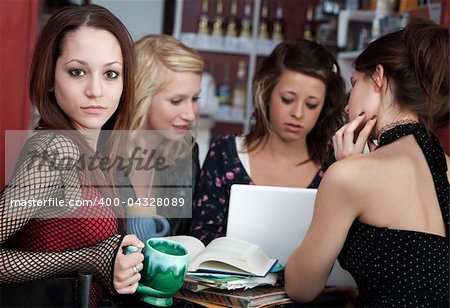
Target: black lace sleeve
x=41 y=174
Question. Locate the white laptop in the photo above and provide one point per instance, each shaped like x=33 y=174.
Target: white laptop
x=276 y=219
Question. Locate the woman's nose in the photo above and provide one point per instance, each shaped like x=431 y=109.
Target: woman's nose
x=94 y=87
x=297 y=110
x=189 y=112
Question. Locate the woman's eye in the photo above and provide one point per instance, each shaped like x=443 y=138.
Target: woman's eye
x=111 y=74
x=76 y=72
x=175 y=101
x=287 y=100
x=311 y=106
x=195 y=99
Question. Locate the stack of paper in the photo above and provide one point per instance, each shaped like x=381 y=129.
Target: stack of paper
x=257 y=297
x=200 y=281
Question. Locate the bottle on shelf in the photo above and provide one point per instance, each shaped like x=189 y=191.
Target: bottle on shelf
x=232 y=20
x=246 y=28
x=246 y=22
x=203 y=23
x=231 y=40
x=277 y=33
x=240 y=91
x=308 y=26
x=263 y=32
x=217 y=29
x=224 y=93
x=330 y=7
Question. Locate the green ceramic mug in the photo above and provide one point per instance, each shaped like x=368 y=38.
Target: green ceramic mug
x=165 y=266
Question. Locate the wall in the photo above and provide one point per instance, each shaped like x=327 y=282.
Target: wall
x=141 y=17
x=17 y=40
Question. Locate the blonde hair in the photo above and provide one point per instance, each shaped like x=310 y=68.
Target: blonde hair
x=155 y=55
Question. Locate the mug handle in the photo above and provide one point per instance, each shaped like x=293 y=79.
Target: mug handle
x=146 y=290
x=165 y=226
x=145 y=227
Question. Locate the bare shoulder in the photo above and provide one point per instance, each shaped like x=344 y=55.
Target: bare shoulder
x=351 y=180
x=352 y=169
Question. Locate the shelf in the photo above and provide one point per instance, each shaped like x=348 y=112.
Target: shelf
x=228 y=117
x=345 y=17
x=221 y=52
x=234 y=46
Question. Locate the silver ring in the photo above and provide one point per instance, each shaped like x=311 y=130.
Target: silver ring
x=135 y=270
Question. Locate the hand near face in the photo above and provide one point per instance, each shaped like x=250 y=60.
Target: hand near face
x=351 y=138
x=125 y=278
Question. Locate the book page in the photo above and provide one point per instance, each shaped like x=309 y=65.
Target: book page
x=193 y=245
x=235 y=252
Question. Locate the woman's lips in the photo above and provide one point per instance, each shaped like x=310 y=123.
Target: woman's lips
x=93 y=109
x=181 y=128
x=293 y=127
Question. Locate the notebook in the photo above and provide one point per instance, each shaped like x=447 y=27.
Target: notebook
x=276 y=219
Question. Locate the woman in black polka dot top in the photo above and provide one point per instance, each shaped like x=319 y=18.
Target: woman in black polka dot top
x=385 y=214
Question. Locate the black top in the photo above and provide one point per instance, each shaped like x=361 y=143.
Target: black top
x=222 y=169
x=400 y=268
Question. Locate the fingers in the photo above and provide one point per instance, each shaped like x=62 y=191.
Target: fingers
x=130 y=289
x=364 y=133
x=132 y=240
x=338 y=143
x=352 y=129
x=124 y=285
x=125 y=277
x=344 y=142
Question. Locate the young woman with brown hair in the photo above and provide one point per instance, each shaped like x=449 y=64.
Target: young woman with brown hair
x=299 y=99
x=81 y=77
x=385 y=214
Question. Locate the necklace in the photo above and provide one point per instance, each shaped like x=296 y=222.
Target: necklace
x=394 y=124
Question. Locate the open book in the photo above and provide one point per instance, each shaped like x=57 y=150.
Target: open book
x=226 y=255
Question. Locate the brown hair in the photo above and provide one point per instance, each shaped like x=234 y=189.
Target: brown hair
x=48 y=49
x=416 y=65
x=312 y=59
x=42 y=77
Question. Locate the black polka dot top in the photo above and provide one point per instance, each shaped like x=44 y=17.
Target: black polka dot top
x=399 y=268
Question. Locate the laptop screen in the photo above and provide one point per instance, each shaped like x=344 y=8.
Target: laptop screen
x=276 y=219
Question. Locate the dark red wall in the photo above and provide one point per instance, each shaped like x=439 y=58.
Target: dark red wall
x=18 y=31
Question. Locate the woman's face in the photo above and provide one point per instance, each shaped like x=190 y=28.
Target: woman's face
x=88 y=77
x=363 y=97
x=295 y=105
x=174 y=108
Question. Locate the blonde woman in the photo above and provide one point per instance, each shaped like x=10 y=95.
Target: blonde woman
x=167 y=80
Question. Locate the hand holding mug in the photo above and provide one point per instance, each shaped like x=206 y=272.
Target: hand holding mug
x=351 y=138
x=164 y=269
x=127 y=267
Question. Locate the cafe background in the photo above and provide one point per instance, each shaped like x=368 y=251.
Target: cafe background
x=233 y=37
